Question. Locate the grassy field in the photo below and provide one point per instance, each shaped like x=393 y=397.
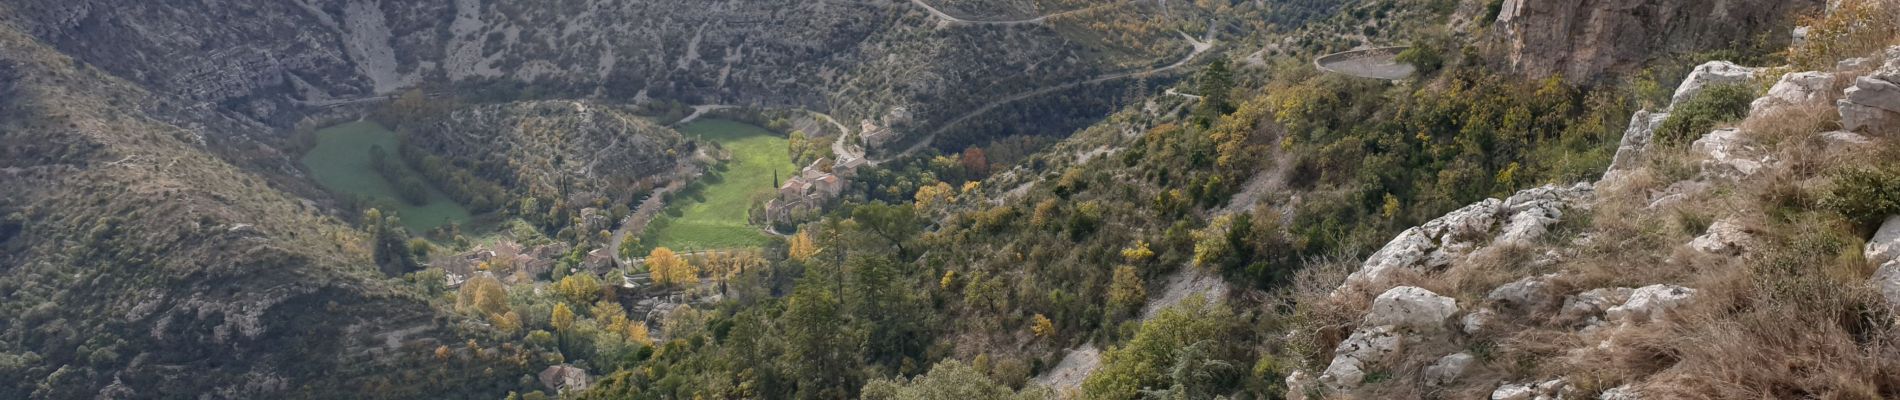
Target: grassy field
x=340 y=163
x=719 y=222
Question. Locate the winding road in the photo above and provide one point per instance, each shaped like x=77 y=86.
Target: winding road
x=946 y=17
x=1200 y=46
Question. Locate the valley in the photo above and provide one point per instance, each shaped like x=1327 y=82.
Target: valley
x=341 y=162
x=950 y=199
x=716 y=216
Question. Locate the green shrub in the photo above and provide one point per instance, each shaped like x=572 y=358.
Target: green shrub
x=1866 y=195
x=1695 y=117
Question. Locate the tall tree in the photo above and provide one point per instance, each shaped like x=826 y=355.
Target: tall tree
x=1215 y=84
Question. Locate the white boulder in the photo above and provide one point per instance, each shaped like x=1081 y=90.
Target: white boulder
x=1299 y=385
x=1410 y=250
x=1710 y=74
x=1524 y=295
x=1593 y=303
x=1624 y=392
x=1513 y=391
x=1725 y=237
x=1729 y=154
x=1365 y=347
x=1841 y=141
x=1797 y=88
x=1411 y=308
x=1887 y=281
x=1885 y=245
x=1448 y=368
x=1649 y=302
x=1400 y=315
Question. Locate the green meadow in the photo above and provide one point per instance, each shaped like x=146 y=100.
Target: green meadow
x=715 y=217
x=341 y=163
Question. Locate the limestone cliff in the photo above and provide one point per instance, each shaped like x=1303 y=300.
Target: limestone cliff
x=1583 y=39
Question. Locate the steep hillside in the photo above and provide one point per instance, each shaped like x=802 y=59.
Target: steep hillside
x=137 y=264
x=1735 y=249
x=277 y=61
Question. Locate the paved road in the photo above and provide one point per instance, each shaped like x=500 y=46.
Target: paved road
x=1200 y=46
x=1037 y=20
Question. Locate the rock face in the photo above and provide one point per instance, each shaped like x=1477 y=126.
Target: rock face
x=1583 y=39
x=1525 y=217
x=1402 y=315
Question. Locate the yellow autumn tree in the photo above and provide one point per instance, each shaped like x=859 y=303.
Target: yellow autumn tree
x=1126 y=289
x=1042 y=326
x=562 y=317
x=483 y=294
x=507 y=323
x=580 y=288
x=668 y=268
x=928 y=197
x=1137 y=253
x=802 y=247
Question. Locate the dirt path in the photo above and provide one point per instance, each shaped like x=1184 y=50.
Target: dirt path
x=701 y=110
x=636 y=221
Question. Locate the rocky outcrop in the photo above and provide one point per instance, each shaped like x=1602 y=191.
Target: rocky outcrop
x=1885 y=245
x=1514 y=221
x=1585 y=39
x=1798 y=88
x=1730 y=154
x=1629 y=151
x=1872 y=105
x=1884 y=250
x=1401 y=315
x=1713 y=73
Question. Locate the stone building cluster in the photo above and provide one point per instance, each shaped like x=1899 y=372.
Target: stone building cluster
x=812 y=188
